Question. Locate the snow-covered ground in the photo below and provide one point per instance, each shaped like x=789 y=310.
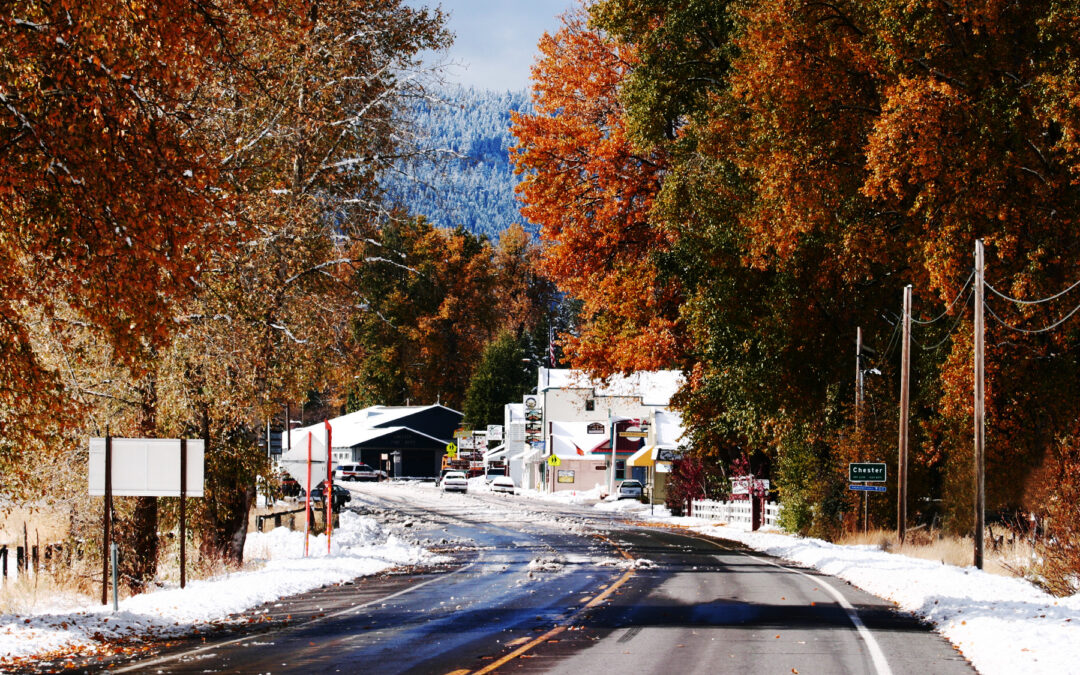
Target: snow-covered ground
x=1001 y=625
x=278 y=568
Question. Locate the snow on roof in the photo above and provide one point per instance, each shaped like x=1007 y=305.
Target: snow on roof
x=572 y=440
x=669 y=429
x=654 y=387
x=517 y=411
x=367 y=424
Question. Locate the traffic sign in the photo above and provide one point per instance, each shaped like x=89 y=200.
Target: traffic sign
x=451 y=449
x=867 y=488
x=866 y=472
x=554 y=460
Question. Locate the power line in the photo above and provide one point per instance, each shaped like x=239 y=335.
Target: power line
x=947 y=309
x=1030 y=302
x=1027 y=331
x=948 y=333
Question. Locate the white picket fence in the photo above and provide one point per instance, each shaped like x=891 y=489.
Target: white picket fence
x=733 y=513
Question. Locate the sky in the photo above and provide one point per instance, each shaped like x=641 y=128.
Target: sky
x=495 y=42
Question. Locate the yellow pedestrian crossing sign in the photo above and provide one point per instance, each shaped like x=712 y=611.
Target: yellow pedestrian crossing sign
x=451 y=449
x=553 y=460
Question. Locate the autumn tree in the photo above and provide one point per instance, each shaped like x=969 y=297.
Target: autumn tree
x=808 y=184
x=591 y=192
x=110 y=204
x=264 y=136
x=428 y=313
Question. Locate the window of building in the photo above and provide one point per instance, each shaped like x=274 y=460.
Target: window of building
x=590 y=404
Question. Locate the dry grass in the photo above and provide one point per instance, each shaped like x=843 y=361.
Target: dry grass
x=1010 y=557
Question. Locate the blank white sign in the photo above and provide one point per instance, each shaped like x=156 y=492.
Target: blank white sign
x=146 y=467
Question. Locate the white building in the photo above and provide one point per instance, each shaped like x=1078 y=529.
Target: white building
x=581 y=416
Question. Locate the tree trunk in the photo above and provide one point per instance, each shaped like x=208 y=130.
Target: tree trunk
x=139 y=548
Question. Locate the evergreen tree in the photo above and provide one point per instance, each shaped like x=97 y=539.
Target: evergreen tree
x=501 y=377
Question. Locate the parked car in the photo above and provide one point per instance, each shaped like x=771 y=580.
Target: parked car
x=455 y=481
x=341 y=496
x=503 y=484
x=355 y=472
x=631 y=489
x=290 y=487
x=492 y=474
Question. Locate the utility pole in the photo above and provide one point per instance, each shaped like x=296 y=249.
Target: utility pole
x=858 y=412
x=858 y=376
x=980 y=408
x=905 y=383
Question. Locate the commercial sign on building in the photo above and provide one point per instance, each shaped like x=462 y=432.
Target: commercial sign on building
x=534 y=415
x=596 y=428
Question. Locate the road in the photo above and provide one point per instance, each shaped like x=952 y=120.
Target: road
x=547 y=588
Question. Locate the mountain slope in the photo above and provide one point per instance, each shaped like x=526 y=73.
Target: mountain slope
x=470 y=182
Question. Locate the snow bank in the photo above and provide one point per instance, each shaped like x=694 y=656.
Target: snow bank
x=359 y=547
x=1002 y=625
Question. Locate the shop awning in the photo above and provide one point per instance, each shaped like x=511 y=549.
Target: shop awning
x=643 y=457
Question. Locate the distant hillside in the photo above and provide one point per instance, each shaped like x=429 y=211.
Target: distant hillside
x=476 y=190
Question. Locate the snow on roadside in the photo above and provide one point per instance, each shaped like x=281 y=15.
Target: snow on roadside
x=359 y=547
x=1002 y=625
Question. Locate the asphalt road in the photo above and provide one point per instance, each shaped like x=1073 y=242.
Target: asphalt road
x=554 y=589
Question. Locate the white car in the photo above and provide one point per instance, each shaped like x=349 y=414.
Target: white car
x=455 y=481
x=631 y=489
x=503 y=484
x=344 y=472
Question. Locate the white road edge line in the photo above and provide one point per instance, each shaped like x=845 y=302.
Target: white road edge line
x=173 y=657
x=881 y=664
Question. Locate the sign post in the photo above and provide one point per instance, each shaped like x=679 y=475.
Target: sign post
x=866 y=472
x=143 y=467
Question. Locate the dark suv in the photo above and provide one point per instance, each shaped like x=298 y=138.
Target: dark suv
x=341 y=496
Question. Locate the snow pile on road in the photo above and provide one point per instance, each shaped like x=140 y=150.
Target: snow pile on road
x=359 y=547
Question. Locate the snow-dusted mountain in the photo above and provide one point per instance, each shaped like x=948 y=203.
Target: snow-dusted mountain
x=470 y=182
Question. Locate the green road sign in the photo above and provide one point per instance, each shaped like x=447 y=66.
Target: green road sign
x=866 y=472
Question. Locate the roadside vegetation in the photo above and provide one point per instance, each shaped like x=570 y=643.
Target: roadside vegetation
x=736 y=188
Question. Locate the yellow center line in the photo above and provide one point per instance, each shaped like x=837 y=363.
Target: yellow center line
x=559 y=629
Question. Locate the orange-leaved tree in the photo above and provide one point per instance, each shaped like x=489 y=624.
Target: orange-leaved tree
x=591 y=191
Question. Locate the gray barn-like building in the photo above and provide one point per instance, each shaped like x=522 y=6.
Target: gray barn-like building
x=373 y=435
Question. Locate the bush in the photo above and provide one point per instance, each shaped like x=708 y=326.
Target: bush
x=1059 y=546
x=691 y=478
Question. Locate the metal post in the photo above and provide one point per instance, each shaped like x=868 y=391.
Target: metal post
x=329 y=489
x=611 y=473
x=905 y=384
x=980 y=407
x=106 y=520
x=183 y=513
x=307 y=499
x=115 y=591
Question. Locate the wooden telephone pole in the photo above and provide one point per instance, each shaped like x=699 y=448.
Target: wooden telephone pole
x=905 y=382
x=980 y=409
